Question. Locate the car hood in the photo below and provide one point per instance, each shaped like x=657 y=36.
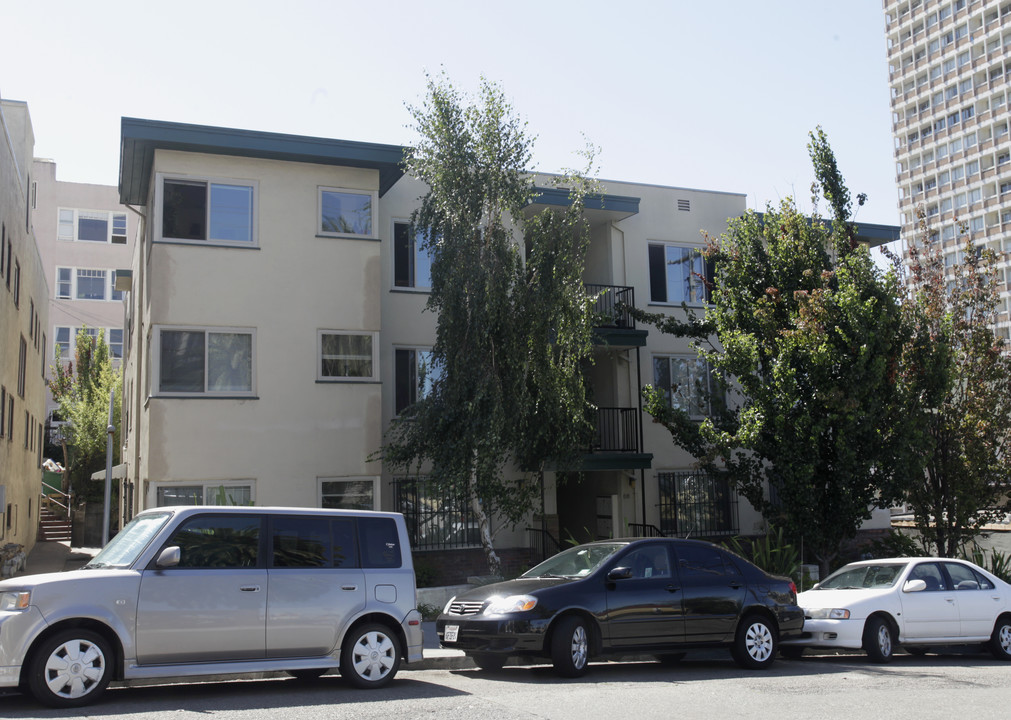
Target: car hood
x=519 y=586
x=840 y=598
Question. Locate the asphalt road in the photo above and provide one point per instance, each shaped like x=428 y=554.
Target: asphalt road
x=707 y=686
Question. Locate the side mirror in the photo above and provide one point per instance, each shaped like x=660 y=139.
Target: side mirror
x=915 y=586
x=169 y=557
x=620 y=573
x=816 y=586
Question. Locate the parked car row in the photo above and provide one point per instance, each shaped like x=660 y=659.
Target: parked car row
x=210 y=590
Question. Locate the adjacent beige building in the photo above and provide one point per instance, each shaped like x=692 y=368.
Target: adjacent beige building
x=24 y=326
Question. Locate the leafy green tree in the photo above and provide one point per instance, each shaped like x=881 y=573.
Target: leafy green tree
x=512 y=332
x=958 y=374
x=807 y=333
x=81 y=388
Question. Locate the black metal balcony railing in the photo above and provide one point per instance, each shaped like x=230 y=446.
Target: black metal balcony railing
x=435 y=521
x=611 y=306
x=617 y=430
x=697 y=504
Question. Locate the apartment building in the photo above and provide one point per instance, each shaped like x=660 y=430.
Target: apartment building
x=949 y=64
x=276 y=324
x=24 y=323
x=84 y=236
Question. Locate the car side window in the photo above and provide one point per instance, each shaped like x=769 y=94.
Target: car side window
x=930 y=573
x=702 y=565
x=379 y=542
x=219 y=542
x=345 y=554
x=965 y=578
x=301 y=542
x=650 y=561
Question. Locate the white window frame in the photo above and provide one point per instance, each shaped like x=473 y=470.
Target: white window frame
x=111 y=293
x=206 y=487
x=703 y=412
x=371 y=479
x=75 y=218
x=374 y=374
x=156 y=390
x=208 y=241
x=373 y=197
x=416 y=251
x=695 y=282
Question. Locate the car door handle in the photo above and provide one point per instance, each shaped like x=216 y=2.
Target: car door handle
x=349 y=587
x=672 y=589
x=250 y=588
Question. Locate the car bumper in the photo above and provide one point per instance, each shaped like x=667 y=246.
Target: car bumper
x=17 y=630
x=503 y=635
x=415 y=637
x=829 y=634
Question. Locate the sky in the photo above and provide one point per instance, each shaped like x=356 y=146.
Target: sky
x=706 y=94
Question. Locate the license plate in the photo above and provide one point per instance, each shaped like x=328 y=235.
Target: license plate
x=450 y=633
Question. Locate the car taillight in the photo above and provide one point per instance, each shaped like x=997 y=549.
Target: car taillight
x=793 y=588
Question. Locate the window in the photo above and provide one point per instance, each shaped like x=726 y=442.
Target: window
x=347 y=493
x=218 y=542
x=91 y=284
x=3 y=412
x=307 y=541
x=22 y=367
x=197 y=361
x=86 y=284
x=678 y=274
x=697 y=504
x=414 y=376
x=688 y=383
x=412 y=264
x=930 y=573
x=345 y=212
x=215 y=493
x=437 y=518
x=63 y=335
x=379 y=542
x=116 y=343
x=208 y=211
x=647 y=562
x=91 y=226
x=346 y=356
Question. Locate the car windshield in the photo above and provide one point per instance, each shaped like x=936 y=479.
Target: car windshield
x=124 y=549
x=575 y=562
x=858 y=577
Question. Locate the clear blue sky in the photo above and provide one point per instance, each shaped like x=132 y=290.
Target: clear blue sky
x=712 y=94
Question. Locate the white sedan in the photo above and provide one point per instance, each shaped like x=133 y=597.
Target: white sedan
x=878 y=605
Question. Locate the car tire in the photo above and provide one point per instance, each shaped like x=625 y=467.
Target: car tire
x=792 y=652
x=570 y=646
x=879 y=640
x=488 y=661
x=1000 y=640
x=307 y=675
x=370 y=656
x=70 y=669
x=755 y=643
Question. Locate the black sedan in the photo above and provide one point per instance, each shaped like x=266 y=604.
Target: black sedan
x=656 y=596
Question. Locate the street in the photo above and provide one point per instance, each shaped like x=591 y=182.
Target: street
x=702 y=686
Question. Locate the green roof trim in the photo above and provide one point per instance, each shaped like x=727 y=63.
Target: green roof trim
x=619 y=206
x=140 y=138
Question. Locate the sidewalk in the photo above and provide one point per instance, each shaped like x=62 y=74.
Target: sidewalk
x=49 y=556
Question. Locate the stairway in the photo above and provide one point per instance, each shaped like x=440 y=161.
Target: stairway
x=53 y=526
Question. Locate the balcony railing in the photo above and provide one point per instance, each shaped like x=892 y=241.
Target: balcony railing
x=611 y=306
x=617 y=430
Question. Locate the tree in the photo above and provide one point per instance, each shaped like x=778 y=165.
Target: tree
x=81 y=389
x=806 y=332
x=957 y=372
x=511 y=335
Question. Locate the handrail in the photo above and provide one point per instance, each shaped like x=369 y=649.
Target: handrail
x=644 y=530
x=52 y=496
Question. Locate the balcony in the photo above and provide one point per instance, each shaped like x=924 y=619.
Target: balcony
x=613 y=324
x=617 y=442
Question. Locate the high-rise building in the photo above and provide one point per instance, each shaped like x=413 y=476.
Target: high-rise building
x=949 y=63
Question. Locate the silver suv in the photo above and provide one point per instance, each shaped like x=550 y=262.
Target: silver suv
x=189 y=591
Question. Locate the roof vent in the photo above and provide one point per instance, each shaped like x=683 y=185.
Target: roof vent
x=685 y=205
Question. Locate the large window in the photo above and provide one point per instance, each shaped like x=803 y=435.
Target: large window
x=697 y=504
x=203 y=361
x=688 y=383
x=435 y=519
x=86 y=284
x=219 y=212
x=412 y=264
x=343 y=355
x=92 y=226
x=232 y=492
x=678 y=274
x=347 y=493
x=414 y=376
x=345 y=212
x=226 y=542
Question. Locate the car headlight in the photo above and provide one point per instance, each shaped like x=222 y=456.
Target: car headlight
x=511 y=604
x=16 y=600
x=827 y=613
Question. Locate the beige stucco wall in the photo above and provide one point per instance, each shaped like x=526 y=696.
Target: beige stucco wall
x=294 y=283
x=20 y=451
